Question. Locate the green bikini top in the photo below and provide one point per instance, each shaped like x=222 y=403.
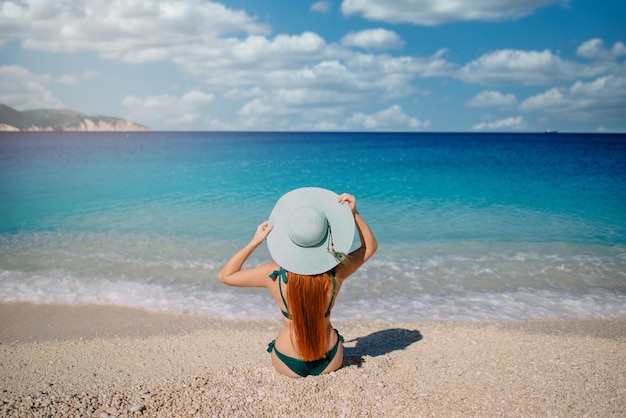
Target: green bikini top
x=282 y=273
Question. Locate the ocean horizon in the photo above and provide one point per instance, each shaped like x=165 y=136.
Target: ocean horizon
x=471 y=226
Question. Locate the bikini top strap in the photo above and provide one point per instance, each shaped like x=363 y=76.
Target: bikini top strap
x=332 y=299
x=282 y=273
x=280 y=289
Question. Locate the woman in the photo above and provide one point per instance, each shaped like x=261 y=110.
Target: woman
x=309 y=233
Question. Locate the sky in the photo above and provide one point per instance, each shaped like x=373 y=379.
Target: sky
x=341 y=65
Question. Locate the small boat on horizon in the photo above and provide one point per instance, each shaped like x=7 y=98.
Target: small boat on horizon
x=548 y=131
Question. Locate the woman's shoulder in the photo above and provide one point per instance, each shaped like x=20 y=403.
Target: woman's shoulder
x=269 y=268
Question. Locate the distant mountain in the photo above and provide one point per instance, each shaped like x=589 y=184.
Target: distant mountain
x=61 y=120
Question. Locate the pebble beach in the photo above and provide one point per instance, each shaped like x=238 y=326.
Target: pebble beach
x=108 y=361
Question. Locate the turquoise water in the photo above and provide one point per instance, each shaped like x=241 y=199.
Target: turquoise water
x=470 y=226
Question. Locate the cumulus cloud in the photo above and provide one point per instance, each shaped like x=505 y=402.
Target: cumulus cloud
x=514 y=67
x=492 y=99
x=594 y=49
x=513 y=123
x=390 y=119
x=251 y=56
x=138 y=31
x=321 y=7
x=619 y=49
x=262 y=114
x=164 y=110
x=436 y=12
x=518 y=67
x=297 y=108
x=373 y=39
x=25 y=90
x=311 y=92
x=599 y=100
x=226 y=51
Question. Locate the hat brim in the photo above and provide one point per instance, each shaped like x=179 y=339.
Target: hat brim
x=312 y=260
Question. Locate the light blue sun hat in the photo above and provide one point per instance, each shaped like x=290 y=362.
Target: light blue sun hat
x=312 y=232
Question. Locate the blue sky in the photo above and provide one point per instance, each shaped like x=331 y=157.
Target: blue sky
x=351 y=65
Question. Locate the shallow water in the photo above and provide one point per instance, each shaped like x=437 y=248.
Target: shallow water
x=470 y=226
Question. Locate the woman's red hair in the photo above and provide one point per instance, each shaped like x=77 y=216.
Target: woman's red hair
x=308 y=302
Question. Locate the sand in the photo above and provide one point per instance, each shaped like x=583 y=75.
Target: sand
x=104 y=361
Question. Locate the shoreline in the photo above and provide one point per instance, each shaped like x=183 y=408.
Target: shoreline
x=113 y=361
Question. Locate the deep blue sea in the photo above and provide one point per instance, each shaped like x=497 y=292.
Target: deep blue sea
x=470 y=226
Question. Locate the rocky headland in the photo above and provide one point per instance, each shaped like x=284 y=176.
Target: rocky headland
x=12 y=120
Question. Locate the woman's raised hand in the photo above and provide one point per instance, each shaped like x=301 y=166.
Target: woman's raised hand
x=350 y=200
x=261 y=233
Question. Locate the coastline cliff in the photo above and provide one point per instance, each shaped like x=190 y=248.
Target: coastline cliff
x=12 y=120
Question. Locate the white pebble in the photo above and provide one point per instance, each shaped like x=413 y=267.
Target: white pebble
x=111 y=410
x=137 y=408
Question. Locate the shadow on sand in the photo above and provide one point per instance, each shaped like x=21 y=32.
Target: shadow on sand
x=379 y=343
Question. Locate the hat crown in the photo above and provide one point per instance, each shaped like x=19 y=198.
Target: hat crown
x=308 y=227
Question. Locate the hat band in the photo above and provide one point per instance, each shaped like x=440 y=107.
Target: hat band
x=319 y=244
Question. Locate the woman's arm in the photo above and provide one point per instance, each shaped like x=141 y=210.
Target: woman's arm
x=368 y=247
x=231 y=274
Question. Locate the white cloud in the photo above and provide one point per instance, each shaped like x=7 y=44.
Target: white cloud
x=513 y=123
x=190 y=109
x=264 y=113
x=69 y=80
x=618 y=49
x=287 y=88
x=518 y=67
x=390 y=119
x=435 y=12
x=296 y=108
x=235 y=63
x=550 y=99
x=321 y=94
x=138 y=31
x=373 y=75
x=492 y=99
x=228 y=52
x=73 y=80
x=603 y=99
x=514 y=67
x=321 y=7
x=594 y=49
x=373 y=39
x=24 y=90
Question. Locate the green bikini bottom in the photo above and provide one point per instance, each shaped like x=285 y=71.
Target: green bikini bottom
x=305 y=368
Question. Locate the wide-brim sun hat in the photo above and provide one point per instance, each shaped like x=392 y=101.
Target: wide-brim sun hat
x=312 y=230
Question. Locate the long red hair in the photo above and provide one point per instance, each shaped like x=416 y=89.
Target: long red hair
x=308 y=302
